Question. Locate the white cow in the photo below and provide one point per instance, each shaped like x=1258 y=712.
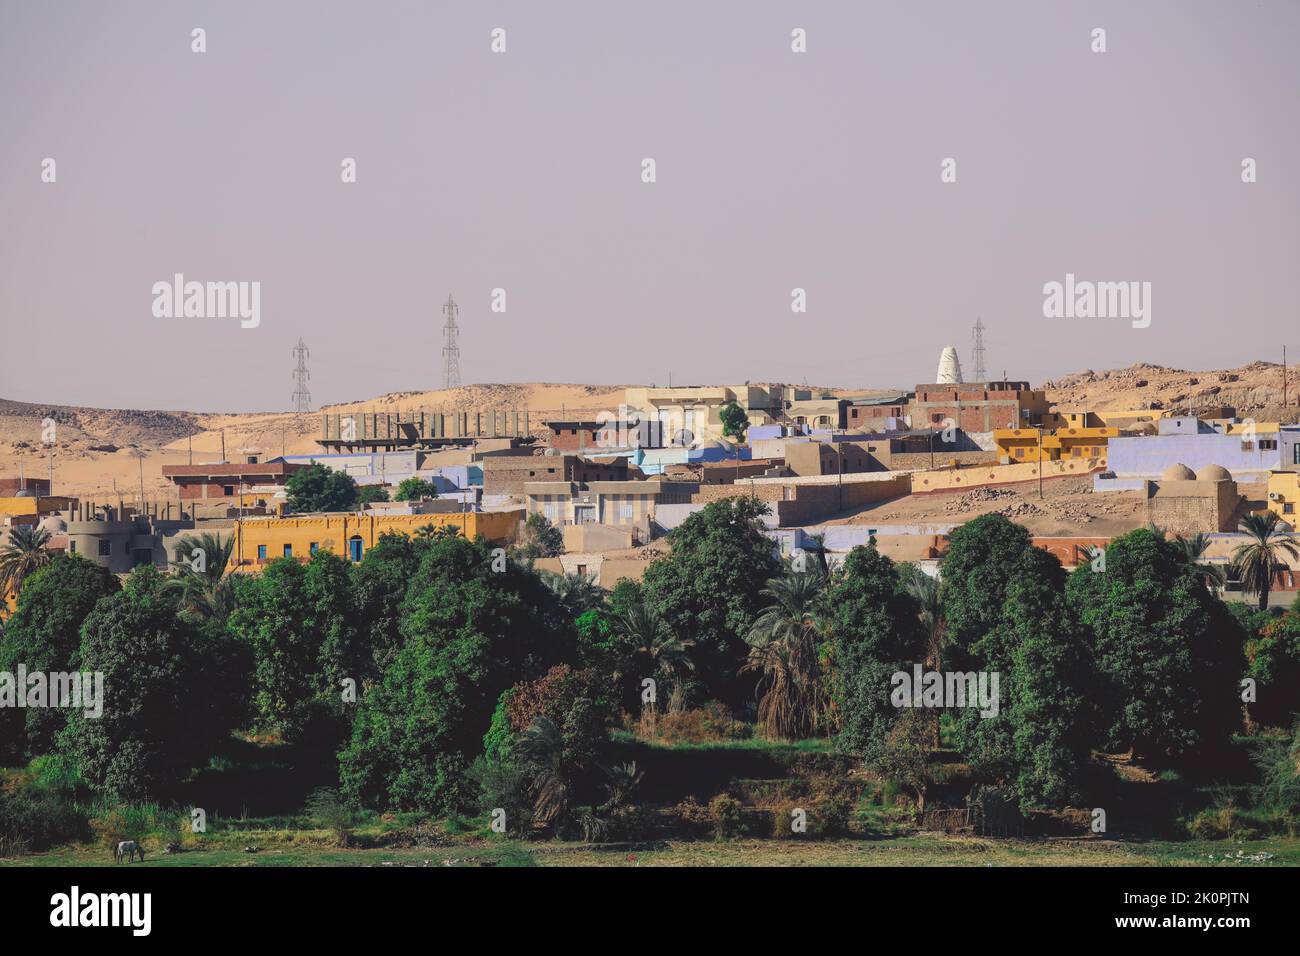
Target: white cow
x=128 y=849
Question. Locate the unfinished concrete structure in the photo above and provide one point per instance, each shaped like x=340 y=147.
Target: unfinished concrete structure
x=375 y=431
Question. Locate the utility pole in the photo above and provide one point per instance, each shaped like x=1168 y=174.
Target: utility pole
x=1040 y=462
x=450 y=346
x=1284 y=376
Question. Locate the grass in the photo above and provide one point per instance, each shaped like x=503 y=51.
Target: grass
x=917 y=850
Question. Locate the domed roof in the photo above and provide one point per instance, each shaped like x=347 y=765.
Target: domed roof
x=1213 y=473
x=1178 y=472
x=54 y=524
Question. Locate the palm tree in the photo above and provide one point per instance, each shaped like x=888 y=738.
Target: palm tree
x=663 y=652
x=783 y=648
x=818 y=549
x=668 y=653
x=23 y=556
x=577 y=592
x=541 y=751
x=1193 y=548
x=200 y=581
x=1256 y=561
x=925 y=590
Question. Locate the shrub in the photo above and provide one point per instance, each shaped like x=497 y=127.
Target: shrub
x=36 y=820
x=709 y=723
x=724 y=811
x=329 y=811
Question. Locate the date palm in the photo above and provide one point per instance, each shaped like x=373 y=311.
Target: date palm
x=1193 y=548
x=646 y=629
x=200 y=581
x=783 y=649
x=924 y=590
x=1255 y=562
x=24 y=555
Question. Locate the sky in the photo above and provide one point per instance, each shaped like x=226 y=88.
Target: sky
x=522 y=170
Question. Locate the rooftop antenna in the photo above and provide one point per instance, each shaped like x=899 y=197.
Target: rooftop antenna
x=301 y=396
x=977 y=333
x=450 y=349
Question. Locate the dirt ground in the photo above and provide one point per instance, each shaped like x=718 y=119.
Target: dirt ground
x=1068 y=507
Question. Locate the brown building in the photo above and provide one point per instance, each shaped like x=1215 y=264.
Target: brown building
x=872 y=413
x=833 y=458
x=507 y=474
x=978 y=407
x=38 y=487
x=227 y=479
x=727 y=472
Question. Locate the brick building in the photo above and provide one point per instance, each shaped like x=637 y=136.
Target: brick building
x=833 y=458
x=978 y=407
x=227 y=479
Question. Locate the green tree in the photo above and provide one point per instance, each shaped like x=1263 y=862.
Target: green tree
x=734 y=420
x=369 y=494
x=317 y=488
x=1167 y=652
x=378 y=587
x=415 y=488
x=468 y=633
x=541 y=538
x=297 y=621
x=44 y=634
x=163 y=714
x=710 y=587
x=1007 y=615
x=1260 y=558
x=875 y=632
x=24 y=555
x=1273 y=661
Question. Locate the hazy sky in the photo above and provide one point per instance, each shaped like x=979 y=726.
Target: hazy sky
x=522 y=170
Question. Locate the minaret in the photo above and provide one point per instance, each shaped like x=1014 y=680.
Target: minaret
x=949 y=367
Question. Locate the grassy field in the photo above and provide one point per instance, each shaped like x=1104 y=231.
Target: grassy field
x=312 y=848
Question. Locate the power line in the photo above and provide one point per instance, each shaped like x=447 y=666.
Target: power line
x=301 y=396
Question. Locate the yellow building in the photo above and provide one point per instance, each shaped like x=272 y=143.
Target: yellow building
x=1021 y=444
x=259 y=540
x=1284 y=495
x=44 y=505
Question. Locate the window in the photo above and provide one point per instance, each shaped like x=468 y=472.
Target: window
x=314 y=547
x=105 y=548
x=288 y=551
x=261 y=552
x=1288 y=508
x=72 y=546
x=1268 y=444
x=228 y=490
x=625 y=511
x=582 y=570
x=1295 y=453
x=1020 y=453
